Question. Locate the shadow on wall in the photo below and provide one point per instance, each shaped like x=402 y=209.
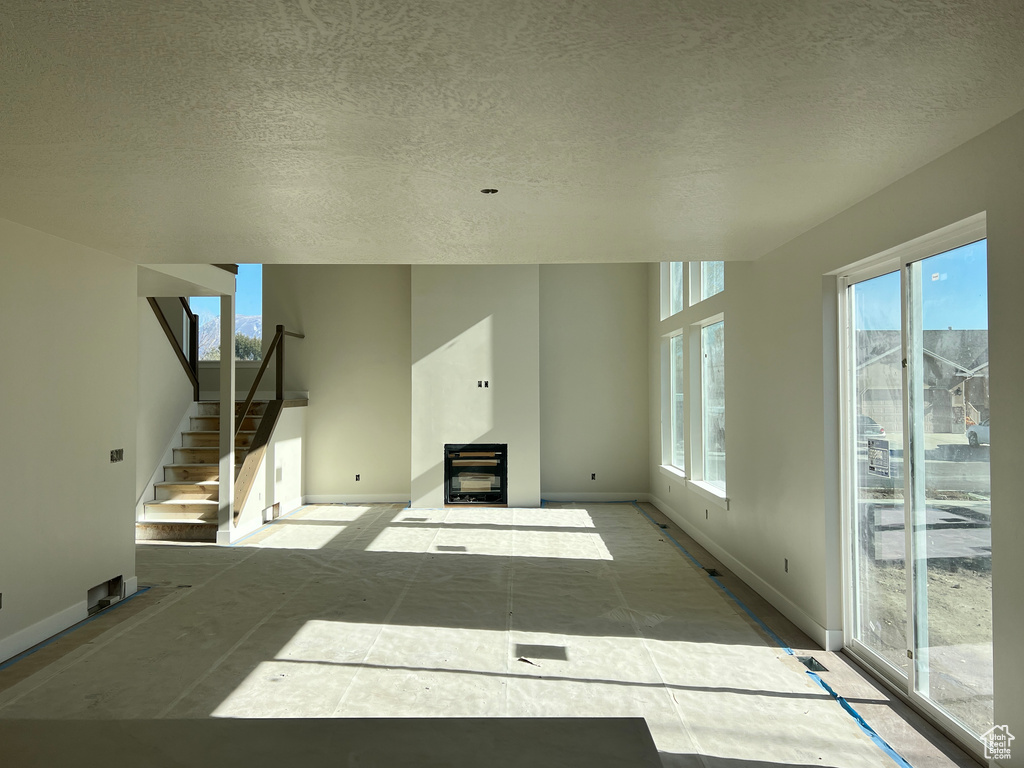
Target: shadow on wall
x=448 y=406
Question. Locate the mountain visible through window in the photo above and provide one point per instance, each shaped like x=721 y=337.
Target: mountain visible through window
x=248 y=317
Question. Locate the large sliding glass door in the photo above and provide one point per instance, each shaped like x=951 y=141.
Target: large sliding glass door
x=917 y=479
x=879 y=585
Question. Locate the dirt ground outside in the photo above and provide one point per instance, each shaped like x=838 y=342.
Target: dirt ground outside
x=959 y=631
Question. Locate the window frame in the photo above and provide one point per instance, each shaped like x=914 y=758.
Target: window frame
x=665 y=284
x=699 y=469
x=686 y=324
x=902 y=258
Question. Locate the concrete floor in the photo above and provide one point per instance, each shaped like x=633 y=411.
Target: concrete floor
x=378 y=611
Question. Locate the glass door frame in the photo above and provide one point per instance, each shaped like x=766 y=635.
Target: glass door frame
x=903 y=259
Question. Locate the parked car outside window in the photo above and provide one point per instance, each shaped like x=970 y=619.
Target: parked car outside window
x=868 y=428
x=978 y=433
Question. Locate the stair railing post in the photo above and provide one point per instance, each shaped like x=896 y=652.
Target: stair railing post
x=280 y=363
x=193 y=350
x=226 y=481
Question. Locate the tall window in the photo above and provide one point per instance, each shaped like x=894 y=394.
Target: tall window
x=712 y=278
x=693 y=385
x=677 y=357
x=248 y=317
x=677 y=288
x=712 y=403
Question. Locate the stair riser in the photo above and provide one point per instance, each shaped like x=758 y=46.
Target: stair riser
x=213 y=409
x=204 y=455
x=175 y=532
x=186 y=492
x=155 y=511
x=158 y=516
x=191 y=474
x=212 y=423
x=200 y=440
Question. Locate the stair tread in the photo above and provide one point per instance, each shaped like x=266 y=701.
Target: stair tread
x=188 y=466
x=189 y=482
x=216 y=432
x=184 y=502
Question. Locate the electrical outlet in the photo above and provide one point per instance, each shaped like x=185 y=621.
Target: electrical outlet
x=479 y=383
x=357 y=478
x=116 y=455
x=706 y=515
x=487 y=384
x=786 y=564
x=593 y=475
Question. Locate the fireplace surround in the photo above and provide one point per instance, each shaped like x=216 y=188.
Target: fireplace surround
x=476 y=473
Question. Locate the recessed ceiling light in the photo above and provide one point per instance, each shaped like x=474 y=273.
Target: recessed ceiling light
x=489 y=191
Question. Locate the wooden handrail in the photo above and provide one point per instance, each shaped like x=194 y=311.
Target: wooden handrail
x=191 y=366
x=268 y=421
x=276 y=347
x=193 y=338
x=256 y=382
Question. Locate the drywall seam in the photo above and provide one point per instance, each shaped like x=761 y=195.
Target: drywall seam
x=830 y=640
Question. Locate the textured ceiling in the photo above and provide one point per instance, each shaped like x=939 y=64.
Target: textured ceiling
x=615 y=130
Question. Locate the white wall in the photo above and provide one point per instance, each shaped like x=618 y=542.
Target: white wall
x=67 y=397
x=472 y=323
x=279 y=479
x=165 y=396
x=782 y=478
x=593 y=381
x=354 y=362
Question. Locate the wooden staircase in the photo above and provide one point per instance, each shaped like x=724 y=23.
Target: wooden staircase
x=187 y=500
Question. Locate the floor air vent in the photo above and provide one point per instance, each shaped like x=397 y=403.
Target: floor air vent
x=812 y=663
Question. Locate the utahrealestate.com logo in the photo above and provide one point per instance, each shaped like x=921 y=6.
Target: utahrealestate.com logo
x=997 y=743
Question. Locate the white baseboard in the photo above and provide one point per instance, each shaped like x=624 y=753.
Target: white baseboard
x=829 y=639
x=287 y=507
x=624 y=496
x=42 y=630
x=363 y=498
x=403 y=498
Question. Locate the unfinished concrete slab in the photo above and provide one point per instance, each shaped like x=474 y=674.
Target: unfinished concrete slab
x=379 y=611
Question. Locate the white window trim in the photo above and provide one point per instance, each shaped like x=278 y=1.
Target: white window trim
x=695 y=452
x=669 y=404
x=672 y=472
x=711 y=493
x=665 y=285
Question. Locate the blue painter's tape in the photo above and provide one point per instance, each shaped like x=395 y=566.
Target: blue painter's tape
x=36 y=648
x=882 y=744
x=879 y=741
x=756 y=619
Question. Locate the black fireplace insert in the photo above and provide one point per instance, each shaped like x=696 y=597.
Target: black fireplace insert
x=476 y=473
